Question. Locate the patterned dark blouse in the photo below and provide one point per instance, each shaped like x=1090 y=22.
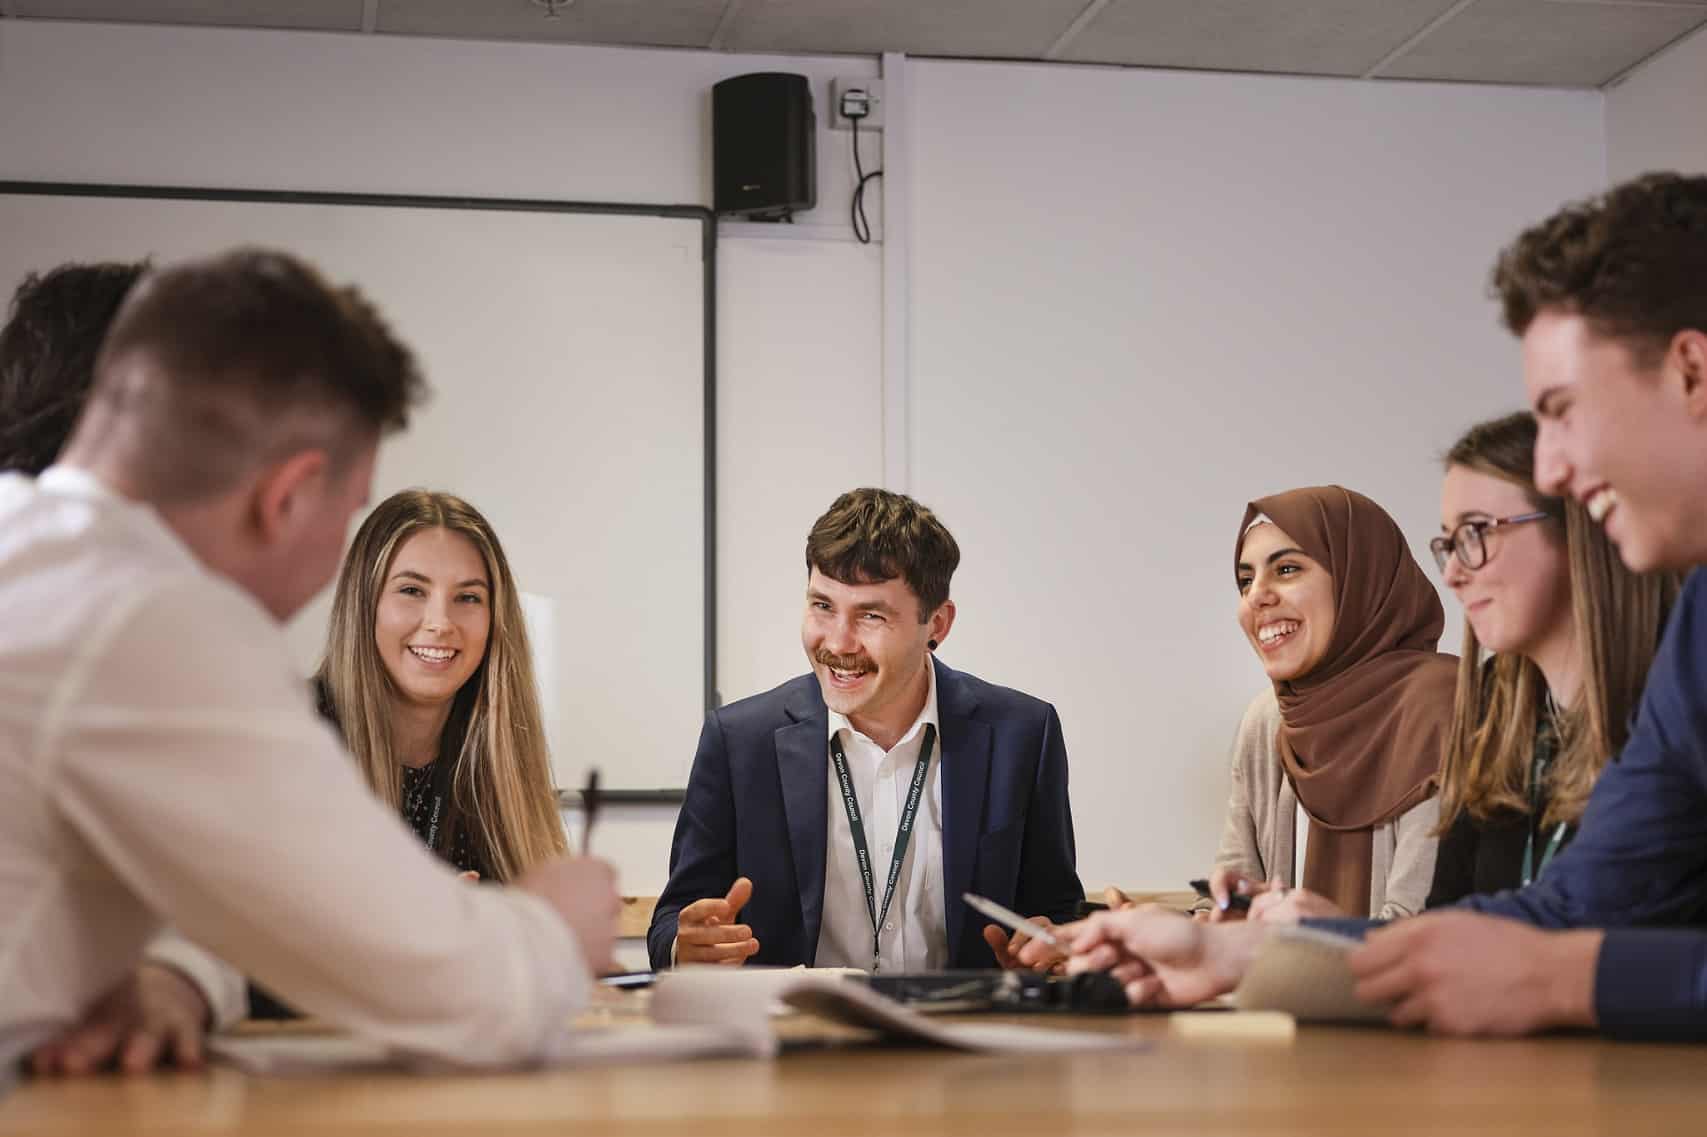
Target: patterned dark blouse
x=420 y=802
x=418 y=806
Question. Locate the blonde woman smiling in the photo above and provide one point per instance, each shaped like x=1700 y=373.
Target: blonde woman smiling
x=429 y=678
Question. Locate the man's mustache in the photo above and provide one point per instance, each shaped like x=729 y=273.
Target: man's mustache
x=844 y=662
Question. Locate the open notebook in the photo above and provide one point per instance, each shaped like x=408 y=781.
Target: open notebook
x=747 y=998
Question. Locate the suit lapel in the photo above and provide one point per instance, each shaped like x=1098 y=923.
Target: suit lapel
x=802 y=764
x=966 y=747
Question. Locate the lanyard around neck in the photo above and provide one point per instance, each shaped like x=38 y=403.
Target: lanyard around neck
x=903 y=834
x=431 y=793
x=1531 y=870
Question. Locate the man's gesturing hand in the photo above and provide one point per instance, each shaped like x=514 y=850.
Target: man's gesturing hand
x=706 y=931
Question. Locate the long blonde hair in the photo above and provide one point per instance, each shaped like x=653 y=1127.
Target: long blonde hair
x=1617 y=616
x=501 y=782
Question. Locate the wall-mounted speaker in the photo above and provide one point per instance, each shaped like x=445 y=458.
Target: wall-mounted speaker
x=763 y=145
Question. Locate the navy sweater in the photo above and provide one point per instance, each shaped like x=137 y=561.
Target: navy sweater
x=1638 y=865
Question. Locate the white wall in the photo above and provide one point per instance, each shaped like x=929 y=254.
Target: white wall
x=1654 y=116
x=1140 y=299
x=799 y=313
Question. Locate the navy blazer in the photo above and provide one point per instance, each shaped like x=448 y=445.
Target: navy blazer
x=758 y=799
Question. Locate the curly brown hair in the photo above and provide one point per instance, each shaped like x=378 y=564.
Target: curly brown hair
x=869 y=535
x=1632 y=261
x=47 y=356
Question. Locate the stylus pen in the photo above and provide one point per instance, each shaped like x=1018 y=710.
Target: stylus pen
x=589 y=810
x=1011 y=919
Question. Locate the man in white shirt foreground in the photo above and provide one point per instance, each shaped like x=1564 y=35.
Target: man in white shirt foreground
x=160 y=762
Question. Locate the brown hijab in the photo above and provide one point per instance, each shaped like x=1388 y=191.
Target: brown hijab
x=1362 y=735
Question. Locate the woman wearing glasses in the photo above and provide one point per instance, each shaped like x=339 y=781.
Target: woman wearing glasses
x=1571 y=632
x=1334 y=770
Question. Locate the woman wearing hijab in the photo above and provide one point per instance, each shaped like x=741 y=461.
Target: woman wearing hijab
x=1334 y=769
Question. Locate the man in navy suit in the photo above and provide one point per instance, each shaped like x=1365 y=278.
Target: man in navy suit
x=842 y=814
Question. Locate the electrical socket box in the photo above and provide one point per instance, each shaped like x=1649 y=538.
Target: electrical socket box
x=873 y=89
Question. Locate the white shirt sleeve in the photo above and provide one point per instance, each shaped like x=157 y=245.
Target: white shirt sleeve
x=187 y=756
x=223 y=986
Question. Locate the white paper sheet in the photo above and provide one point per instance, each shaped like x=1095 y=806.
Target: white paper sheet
x=292 y=1054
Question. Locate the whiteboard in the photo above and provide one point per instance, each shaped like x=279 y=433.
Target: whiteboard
x=568 y=351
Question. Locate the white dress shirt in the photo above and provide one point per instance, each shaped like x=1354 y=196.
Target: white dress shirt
x=160 y=762
x=914 y=937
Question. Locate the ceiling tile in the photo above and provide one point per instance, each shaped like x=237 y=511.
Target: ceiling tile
x=1002 y=29
x=669 y=23
x=1545 y=42
x=320 y=15
x=1307 y=37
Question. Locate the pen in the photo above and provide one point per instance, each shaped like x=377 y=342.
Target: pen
x=589 y=810
x=1237 y=901
x=1011 y=919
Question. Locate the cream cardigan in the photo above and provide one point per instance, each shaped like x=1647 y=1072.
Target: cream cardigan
x=1262 y=811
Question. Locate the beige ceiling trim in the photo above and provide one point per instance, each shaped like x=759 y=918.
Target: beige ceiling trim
x=731 y=9
x=1427 y=30
x=1066 y=38
x=1652 y=56
x=1697 y=4
x=370 y=15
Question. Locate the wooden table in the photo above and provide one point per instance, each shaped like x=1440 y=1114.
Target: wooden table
x=1325 y=1081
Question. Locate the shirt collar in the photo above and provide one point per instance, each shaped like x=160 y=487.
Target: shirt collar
x=75 y=482
x=839 y=722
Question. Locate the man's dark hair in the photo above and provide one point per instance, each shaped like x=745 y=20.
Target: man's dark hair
x=47 y=356
x=1632 y=262
x=216 y=365
x=869 y=536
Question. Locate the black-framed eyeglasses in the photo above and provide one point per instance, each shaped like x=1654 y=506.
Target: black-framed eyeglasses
x=1469 y=541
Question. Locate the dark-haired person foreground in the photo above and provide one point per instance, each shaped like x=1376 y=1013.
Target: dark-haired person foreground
x=161 y=763
x=1609 y=298
x=765 y=861
x=53 y=332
